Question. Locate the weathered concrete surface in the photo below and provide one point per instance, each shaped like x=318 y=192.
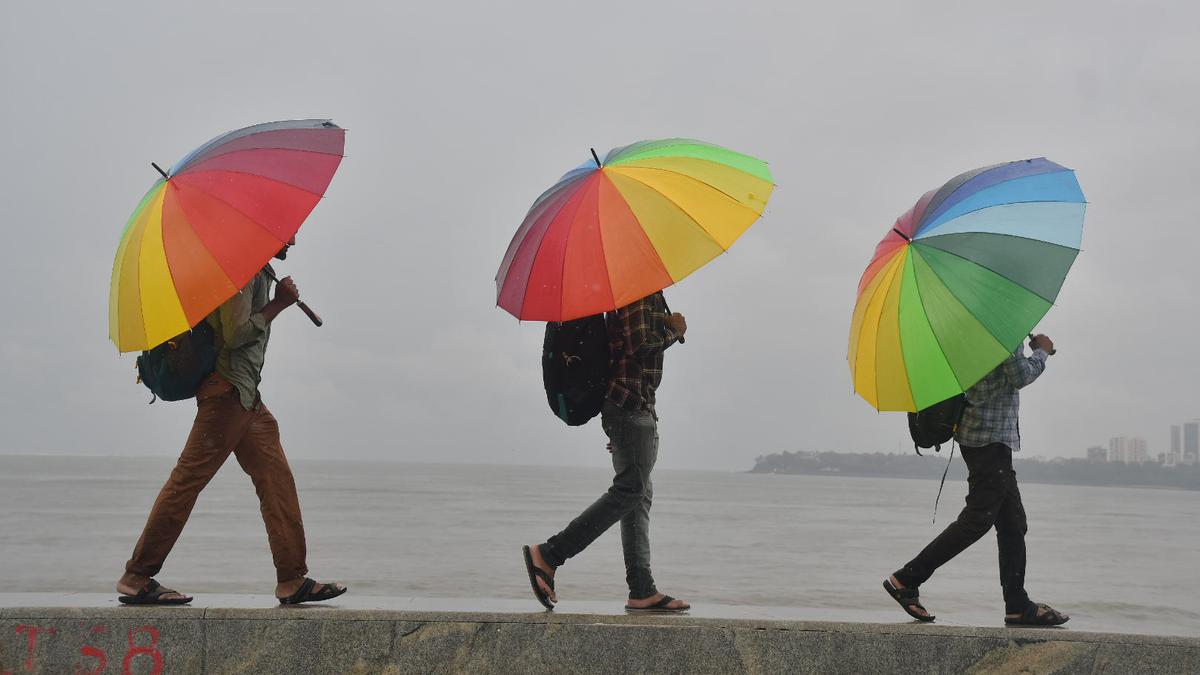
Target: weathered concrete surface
x=328 y=640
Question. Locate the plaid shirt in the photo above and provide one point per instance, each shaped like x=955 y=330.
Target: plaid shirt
x=637 y=337
x=995 y=402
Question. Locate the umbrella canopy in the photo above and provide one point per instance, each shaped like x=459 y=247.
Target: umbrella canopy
x=212 y=221
x=613 y=231
x=962 y=277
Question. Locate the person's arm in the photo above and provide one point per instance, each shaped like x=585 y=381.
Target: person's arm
x=646 y=332
x=240 y=326
x=1021 y=370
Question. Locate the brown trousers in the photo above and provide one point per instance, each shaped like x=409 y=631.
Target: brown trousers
x=222 y=426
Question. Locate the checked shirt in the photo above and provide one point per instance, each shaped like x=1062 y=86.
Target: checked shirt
x=637 y=337
x=995 y=402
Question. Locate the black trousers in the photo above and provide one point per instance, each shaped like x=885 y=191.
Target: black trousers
x=993 y=499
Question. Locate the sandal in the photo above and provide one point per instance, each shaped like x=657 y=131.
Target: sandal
x=660 y=607
x=151 y=594
x=536 y=573
x=1048 y=616
x=908 y=598
x=305 y=593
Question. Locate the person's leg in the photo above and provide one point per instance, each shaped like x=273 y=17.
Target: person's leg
x=986 y=491
x=220 y=421
x=261 y=456
x=626 y=492
x=1011 y=526
x=637 y=443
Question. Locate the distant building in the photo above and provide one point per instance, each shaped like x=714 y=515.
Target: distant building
x=1191 y=442
x=1176 y=439
x=1138 y=453
x=1118 y=449
x=1097 y=453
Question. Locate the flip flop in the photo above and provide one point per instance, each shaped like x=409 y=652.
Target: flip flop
x=305 y=593
x=660 y=607
x=907 y=598
x=536 y=573
x=1048 y=618
x=151 y=594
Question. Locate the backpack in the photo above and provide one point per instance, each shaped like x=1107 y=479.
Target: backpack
x=575 y=367
x=935 y=425
x=174 y=370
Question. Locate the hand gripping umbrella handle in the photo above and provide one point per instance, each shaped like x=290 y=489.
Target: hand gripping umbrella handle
x=666 y=307
x=1052 y=351
x=300 y=303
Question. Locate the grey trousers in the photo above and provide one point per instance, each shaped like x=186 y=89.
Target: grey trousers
x=633 y=436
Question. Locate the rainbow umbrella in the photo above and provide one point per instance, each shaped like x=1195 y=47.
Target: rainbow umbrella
x=613 y=231
x=212 y=222
x=960 y=280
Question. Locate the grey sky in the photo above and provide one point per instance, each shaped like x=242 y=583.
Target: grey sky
x=459 y=115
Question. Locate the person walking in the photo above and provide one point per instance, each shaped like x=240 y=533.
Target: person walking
x=988 y=434
x=638 y=335
x=231 y=417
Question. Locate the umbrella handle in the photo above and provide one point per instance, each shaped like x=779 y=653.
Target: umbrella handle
x=311 y=314
x=299 y=303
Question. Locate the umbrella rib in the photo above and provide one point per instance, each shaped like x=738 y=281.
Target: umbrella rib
x=950 y=290
x=243 y=213
x=681 y=210
x=523 y=232
x=936 y=339
x=538 y=252
x=879 y=321
x=256 y=175
x=997 y=273
x=757 y=214
x=205 y=158
x=964 y=214
x=703 y=182
x=612 y=296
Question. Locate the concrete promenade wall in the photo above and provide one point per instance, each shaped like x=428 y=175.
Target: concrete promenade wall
x=323 y=640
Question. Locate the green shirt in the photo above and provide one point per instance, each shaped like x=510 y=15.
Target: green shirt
x=242 y=333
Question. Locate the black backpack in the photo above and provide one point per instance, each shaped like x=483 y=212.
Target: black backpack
x=174 y=370
x=935 y=425
x=575 y=367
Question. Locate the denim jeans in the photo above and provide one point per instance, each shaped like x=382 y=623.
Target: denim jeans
x=634 y=439
x=992 y=499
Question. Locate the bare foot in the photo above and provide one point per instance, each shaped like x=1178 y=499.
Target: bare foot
x=132 y=584
x=916 y=608
x=535 y=552
x=643 y=603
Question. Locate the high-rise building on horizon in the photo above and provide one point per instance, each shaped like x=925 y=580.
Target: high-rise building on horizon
x=1176 y=439
x=1118 y=449
x=1138 y=453
x=1191 y=442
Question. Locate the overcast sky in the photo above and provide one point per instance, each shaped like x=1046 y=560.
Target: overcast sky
x=459 y=115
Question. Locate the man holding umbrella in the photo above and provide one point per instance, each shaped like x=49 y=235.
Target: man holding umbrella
x=195 y=251
x=943 y=309
x=988 y=434
x=638 y=334
x=607 y=238
x=231 y=417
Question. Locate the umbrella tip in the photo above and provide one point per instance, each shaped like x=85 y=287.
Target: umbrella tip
x=159 y=169
x=596 y=157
